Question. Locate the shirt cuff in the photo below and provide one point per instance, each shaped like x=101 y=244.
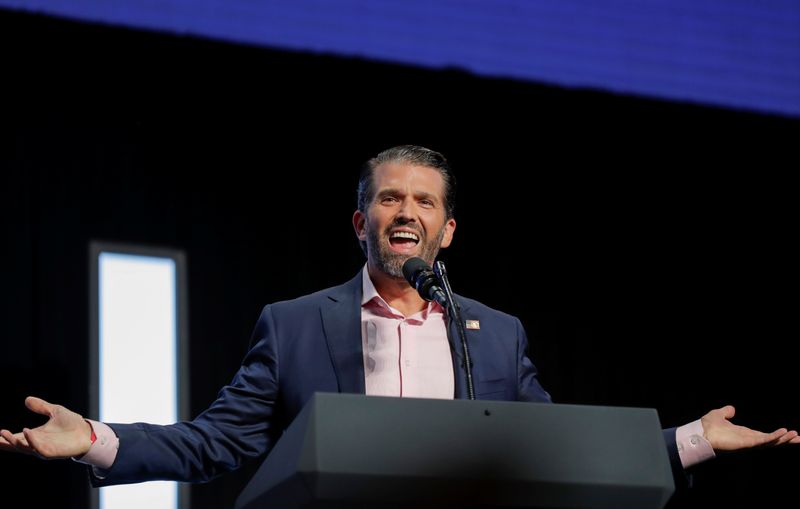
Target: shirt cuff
x=693 y=448
x=103 y=451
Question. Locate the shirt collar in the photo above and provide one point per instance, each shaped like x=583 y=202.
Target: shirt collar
x=368 y=289
x=369 y=294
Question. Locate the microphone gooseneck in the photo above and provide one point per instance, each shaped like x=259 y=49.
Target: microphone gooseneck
x=454 y=314
x=435 y=286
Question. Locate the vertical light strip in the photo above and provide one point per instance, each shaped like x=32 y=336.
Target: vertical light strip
x=137 y=357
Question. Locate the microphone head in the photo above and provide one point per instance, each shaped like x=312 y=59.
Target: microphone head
x=420 y=276
x=412 y=267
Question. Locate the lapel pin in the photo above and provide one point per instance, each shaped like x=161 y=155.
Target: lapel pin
x=473 y=324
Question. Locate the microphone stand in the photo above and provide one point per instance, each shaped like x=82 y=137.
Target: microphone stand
x=454 y=313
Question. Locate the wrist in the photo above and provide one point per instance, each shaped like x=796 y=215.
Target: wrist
x=90 y=434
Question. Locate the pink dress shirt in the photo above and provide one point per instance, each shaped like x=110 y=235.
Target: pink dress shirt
x=404 y=356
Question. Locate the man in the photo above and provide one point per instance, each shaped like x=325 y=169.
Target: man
x=373 y=335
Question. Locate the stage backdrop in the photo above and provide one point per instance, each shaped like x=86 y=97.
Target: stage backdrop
x=647 y=246
x=739 y=54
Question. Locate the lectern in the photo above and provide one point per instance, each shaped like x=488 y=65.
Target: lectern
x=355 y=451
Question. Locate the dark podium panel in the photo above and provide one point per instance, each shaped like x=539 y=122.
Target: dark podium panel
x=353 y=451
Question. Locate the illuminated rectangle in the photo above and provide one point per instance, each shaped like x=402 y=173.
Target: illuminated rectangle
x=137 y=354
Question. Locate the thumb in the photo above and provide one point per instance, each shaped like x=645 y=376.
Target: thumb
x=728 y=411
x=39 y=406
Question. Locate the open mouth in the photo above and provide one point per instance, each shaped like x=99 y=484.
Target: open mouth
x=403 y=241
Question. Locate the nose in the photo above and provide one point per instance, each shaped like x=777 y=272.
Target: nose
x=406 y=211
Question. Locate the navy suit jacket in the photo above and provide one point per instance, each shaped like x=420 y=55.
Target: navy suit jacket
x=303 y=346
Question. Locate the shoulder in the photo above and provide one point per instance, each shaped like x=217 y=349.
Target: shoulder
x=345 y=292
x=478 y=310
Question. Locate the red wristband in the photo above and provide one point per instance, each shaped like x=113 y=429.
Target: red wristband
x=93 y=437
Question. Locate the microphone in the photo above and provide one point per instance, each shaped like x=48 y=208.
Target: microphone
x=420 y=275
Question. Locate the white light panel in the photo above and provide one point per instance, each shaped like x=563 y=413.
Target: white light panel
x=137 y=355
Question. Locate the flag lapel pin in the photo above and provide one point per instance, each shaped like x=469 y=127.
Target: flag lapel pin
x=473 y=324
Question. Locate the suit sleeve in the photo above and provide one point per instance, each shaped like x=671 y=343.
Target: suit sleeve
x=683 y=480
x=239 y=425
x=529 y=387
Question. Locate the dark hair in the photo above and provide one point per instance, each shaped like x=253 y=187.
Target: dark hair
x=413 y=154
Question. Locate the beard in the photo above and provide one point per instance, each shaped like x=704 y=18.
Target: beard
x=391 y=263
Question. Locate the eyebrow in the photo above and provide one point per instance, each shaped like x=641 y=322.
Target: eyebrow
x=419 y=195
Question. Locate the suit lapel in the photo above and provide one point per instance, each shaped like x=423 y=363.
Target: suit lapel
x=341 y=321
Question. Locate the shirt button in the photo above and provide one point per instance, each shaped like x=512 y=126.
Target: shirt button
x=693 y=440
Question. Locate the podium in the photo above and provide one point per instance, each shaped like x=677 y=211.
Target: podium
x=356 y=451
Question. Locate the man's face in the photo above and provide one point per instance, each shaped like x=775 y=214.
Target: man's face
x=405 y=218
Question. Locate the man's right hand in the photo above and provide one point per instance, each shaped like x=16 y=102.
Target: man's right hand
x=64 y=435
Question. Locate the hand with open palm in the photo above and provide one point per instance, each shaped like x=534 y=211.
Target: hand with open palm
x=723 y=435
x=64 y=435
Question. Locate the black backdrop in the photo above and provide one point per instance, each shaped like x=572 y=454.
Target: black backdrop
x=646 y=246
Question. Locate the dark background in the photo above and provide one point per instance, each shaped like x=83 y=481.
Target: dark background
x=646 y=246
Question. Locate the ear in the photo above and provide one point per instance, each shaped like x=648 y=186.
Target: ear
x=449 y=229
x=359 y=223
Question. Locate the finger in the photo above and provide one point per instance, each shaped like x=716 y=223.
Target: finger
x=786 y=438
x=780 y=440
x=728 y=411
x=5 y=445
x=15 y=440
x=35 y=446
x=774 y=437
x=752 y=438
x=795 y=440
x=39 y=406
x=9 y=437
